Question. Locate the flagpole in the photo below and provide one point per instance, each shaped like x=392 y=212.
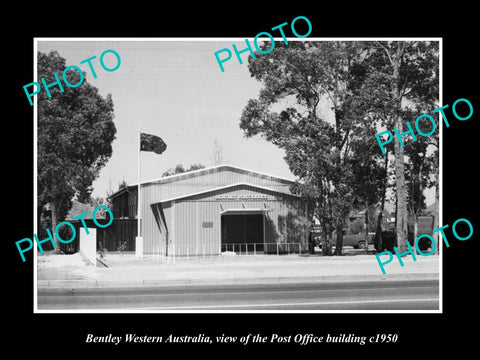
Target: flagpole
x=139 y=240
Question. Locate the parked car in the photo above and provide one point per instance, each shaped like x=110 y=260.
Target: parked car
x=388 y=241
x=358 y=241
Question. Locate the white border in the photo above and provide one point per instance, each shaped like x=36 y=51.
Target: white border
x=35 y=182
x=440 y=177
x=223 y=39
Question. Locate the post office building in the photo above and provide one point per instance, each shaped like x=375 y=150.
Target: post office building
x=217 y=209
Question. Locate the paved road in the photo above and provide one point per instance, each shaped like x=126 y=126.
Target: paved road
x=367 y=295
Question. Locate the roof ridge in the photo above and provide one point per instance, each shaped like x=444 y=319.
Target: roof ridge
x=213 y=168
x=198 y=171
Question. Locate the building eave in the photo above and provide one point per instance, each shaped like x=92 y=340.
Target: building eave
x=203 y=192
x=194 y=173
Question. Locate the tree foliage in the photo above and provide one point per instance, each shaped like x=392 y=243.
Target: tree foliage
x=336 y=157
x=179 y=169
x=329 y=156
x=408 y=72
x=217 y=153
x=122 y=185
x=75 y=133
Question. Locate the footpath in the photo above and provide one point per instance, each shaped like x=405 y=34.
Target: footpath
x=124 y=270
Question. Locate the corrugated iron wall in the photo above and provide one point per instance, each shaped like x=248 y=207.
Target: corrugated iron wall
x=193 y=224
x=197 y=223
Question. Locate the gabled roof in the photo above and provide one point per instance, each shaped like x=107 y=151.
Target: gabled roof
x=200 y=172
x=224 y=188
x=80 y=208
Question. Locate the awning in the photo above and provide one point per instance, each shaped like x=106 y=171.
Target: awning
x=244 y=212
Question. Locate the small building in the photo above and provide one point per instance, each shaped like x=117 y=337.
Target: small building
x=217 y=209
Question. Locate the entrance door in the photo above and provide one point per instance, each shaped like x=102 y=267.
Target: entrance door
x=242 y=233
x=254 y=229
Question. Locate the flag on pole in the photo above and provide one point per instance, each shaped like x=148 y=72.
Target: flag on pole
x=153 y=143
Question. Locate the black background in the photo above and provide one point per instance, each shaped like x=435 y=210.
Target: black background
x=60 y=335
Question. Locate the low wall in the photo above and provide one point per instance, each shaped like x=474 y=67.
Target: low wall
x=88 y=245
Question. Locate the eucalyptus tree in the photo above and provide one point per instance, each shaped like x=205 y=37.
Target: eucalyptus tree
x=75 y=135
x=298 y=80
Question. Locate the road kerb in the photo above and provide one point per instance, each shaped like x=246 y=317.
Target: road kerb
x=92 y=283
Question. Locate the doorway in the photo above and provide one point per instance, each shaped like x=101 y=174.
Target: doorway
x=243 y=233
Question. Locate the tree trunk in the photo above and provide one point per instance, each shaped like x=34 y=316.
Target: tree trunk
x=366 y=222
x=379 y=229
x=378 y=232
x=54 y=226
x=339 y=242
x=326 y=247
x=435 y=216
x=419 y=203
x=415 y=229
x=401 y=216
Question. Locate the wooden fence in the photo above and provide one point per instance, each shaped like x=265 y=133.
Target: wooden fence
x=120 y=231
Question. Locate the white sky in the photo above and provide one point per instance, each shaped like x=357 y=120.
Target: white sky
x=174 y=89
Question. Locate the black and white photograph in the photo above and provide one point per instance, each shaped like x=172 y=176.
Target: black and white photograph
x=237 y=180
x=263 y=188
